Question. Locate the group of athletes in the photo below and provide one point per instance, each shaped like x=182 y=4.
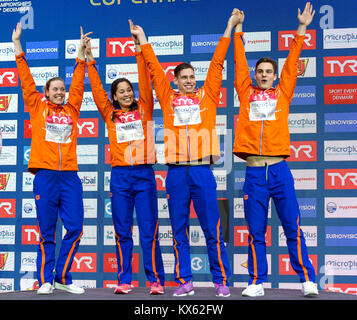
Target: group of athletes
x=191 y=146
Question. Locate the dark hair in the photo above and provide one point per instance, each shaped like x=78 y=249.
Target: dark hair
x=181 y=67
x=269 y=60
x=113 y=90
x=48 y=84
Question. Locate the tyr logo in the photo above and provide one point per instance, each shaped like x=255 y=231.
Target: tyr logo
x=87 y=127
x=185 y=101
x=303 y=151
x=126 y=117
x=341 y=179
x=59 y=119
x=7 y=208
x=8 y=77
x=85 y=262
x=119 y=47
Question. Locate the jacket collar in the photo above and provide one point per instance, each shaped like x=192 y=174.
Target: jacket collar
x=178 y=93
x=255 y=88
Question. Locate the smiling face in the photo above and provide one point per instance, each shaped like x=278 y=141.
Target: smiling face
x=56 y=92
x=265 y=75
x=124 y=95
x=185 y=81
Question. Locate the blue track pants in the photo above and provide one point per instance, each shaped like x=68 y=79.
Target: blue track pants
x=57 y=193
x=196 y=183
x=135 y=186
x=261 y=184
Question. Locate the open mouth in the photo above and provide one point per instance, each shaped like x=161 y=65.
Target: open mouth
x=127 y=100
x=58 y=98
x=264 y=82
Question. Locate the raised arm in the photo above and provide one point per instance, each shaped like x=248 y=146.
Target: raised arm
x=289 y=72
x=76 y=89
x=133 y=28
x=83 y=43
x=137 y=33
x=16 y=35
x=146 y=98
x=158 y=77
x=242 y=78
x=233 y=21
x=213 y=80
x=100 y=96
x=30 y=94
x=239 y=25
x=305 y=18
x=88 y=51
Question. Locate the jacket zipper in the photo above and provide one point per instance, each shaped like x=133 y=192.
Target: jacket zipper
x=59 y=151
x=261 y=138
x=188 y=143
x=60 y=156
x=131 y=154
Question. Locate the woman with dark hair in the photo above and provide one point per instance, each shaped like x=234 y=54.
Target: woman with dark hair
x=53 y=160
x=132 y=182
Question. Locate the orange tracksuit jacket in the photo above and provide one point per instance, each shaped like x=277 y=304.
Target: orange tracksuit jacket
x=46 y=154
x=265 y=137
x=195 y=141
x=134 y=152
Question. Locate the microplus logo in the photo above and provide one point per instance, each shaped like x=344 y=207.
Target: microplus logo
x=341 y=265
x=42 y=74
x=167 y=45
x=201 y=69
x=340 y=150
x=340 y=38
x=7 y=51
x=302 y=122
